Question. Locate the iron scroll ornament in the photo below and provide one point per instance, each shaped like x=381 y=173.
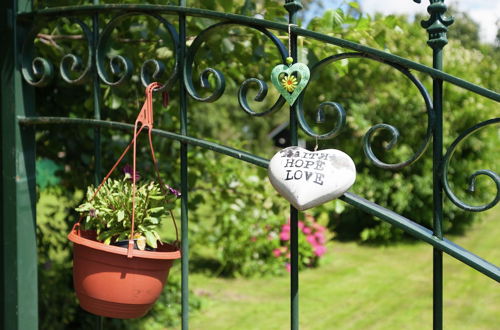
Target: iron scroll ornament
x=367 y=139
x=220 y=84
x=472 y=179
x=117 y=61
x=39 y=72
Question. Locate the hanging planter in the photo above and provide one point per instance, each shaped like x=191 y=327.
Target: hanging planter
x=109 y=283
x=116 y=281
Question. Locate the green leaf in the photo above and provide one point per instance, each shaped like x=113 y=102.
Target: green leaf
x=170 y=206
x=156 y=235
x=141 y=242
x=84 y=207
x=163 y=53
x=353 y=4
x=151 y=239
x=156 y=209
x=46 y=173
x=115 y=102
x=120 y=215
x=152 y=220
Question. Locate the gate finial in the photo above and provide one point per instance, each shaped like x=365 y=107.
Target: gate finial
x=293 y=6
x=437 y=24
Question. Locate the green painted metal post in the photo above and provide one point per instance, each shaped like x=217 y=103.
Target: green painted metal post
x=96 y=94
x=436 y=26
x=19 y=253
x=293 y=6
x=184 y=173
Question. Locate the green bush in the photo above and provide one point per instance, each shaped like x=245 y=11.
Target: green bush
x=239 y=222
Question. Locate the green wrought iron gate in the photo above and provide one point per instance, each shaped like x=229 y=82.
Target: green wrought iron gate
x=21 y=71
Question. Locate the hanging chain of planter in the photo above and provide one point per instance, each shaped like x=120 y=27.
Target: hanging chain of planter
x=115 y=281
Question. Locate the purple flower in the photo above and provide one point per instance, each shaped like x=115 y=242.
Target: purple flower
x=128 y=171
x=174 y=192
x=92 y=213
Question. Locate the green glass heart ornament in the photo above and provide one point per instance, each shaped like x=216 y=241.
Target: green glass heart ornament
x=282 y=78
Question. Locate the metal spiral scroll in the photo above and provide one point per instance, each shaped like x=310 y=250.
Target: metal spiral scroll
x=122 y=68
x=367 y=139
x=39 y=71
x=472 y=178
x=220 y=83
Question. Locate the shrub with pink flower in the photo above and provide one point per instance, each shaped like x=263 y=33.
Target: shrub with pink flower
x=312 y=242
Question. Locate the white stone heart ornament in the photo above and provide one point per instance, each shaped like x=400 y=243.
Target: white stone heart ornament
x=310 y=178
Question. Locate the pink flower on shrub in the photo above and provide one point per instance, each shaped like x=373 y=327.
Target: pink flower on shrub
x=320 y=238
x=319 y=250
x=284 y=236
x=314 y=242
x=318 y=227
x=311 y=239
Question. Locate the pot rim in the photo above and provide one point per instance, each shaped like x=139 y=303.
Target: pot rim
x=172 y=252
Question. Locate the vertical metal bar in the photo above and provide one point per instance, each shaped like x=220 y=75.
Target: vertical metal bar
x=96 y=94
x=437 y=194
x=294 y=269
x=436 y=26
x=183 y=103
x=293 y=7
x=18 y=227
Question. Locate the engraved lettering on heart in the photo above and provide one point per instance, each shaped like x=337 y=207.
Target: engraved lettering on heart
x=310 y=178
x=290 y=81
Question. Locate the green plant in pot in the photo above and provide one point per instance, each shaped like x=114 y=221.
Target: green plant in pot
x=109 y=212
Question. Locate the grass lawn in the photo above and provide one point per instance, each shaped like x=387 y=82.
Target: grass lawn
x=361 y=287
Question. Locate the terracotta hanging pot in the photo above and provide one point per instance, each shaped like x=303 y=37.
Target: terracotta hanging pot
x=110 y=283
x=120 y=282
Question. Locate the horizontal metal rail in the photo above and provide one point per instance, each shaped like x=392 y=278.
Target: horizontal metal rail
x=389 y=216
x=159 y=9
